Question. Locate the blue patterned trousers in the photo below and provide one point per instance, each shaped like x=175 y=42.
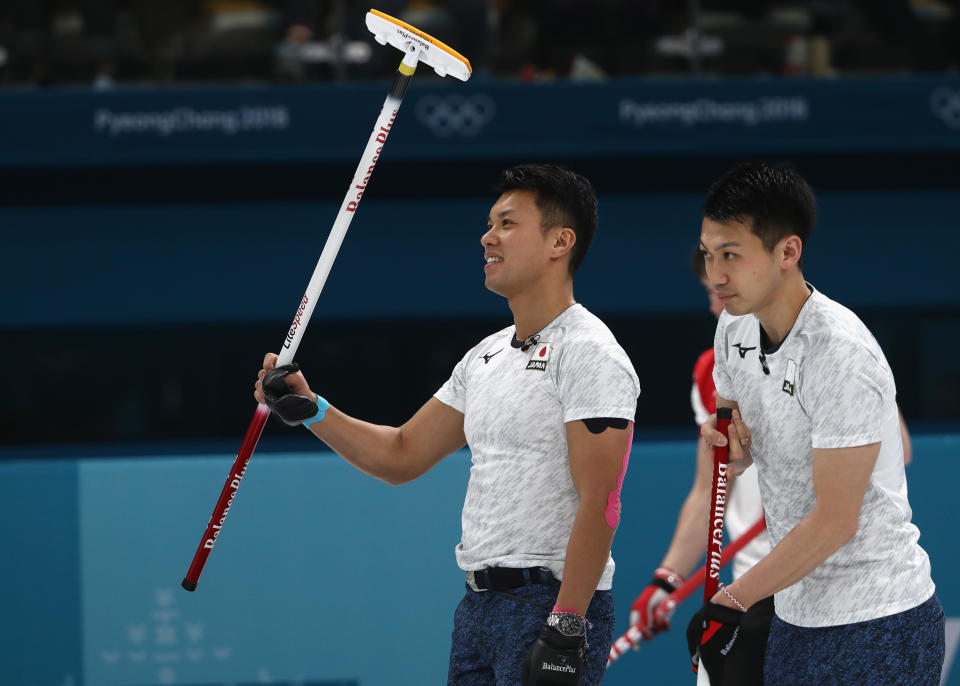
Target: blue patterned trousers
x=905 y=648
x=493 y=630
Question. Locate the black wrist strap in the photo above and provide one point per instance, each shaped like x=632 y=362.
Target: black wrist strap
x=664 y=584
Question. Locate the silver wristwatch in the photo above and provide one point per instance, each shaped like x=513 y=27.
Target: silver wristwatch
x=567 y=623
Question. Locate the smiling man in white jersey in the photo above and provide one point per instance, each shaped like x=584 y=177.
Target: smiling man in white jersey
x=854 y=599
x=546 y=407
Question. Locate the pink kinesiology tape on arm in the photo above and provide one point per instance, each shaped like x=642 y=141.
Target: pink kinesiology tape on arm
x=612 y=513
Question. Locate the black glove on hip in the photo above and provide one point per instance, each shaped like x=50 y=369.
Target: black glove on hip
x=555 y=659
x=292 y=409
x=711 y=635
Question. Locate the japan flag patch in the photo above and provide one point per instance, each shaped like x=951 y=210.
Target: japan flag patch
x=539 y=357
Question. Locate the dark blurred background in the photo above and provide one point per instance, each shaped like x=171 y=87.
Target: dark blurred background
x=146 y=269
x=108 y=42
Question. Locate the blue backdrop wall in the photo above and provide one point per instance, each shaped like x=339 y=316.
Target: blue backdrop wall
x=481 y=119
x=322 y=575
x=209 y=264
x=101 y=252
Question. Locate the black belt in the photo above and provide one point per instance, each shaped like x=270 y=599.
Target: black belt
x=505 y=578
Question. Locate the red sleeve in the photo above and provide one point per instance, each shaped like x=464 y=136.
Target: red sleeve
x=703 y=378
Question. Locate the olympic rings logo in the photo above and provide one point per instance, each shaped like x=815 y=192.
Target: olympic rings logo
x=455 y=115
x=945 y=103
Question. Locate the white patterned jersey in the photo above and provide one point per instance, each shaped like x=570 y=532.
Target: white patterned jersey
x=744 y=508
x=829 y=386
x=521 y=502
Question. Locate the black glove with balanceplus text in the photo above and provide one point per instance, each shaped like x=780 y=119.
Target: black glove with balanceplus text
x=554 y=659
x=711 y=636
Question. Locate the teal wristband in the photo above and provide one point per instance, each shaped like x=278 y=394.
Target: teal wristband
x=322 y=406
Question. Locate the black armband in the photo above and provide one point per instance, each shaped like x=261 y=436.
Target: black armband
x=597 y=425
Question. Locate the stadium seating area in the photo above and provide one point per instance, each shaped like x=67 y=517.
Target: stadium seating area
x=106 y=42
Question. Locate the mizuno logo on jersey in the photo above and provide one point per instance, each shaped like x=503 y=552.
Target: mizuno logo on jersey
x=743 y=351
x=489 y=356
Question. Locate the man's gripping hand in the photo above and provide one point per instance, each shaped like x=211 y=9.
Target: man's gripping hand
x=555 y=659
x=739 y=440
x=285 y=391
x=711 y=636
x=665 y=581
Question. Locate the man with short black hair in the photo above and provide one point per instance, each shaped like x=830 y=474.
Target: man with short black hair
x=853 y=593
x=743 y=509
x=546 y=407
x=689 y=542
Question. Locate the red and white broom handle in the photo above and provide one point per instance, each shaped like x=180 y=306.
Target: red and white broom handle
x=361 y=178
x=718 y=506
x=634 y=635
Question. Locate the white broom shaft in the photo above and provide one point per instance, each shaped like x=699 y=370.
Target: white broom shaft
x=361 y=177
x=702 y=678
